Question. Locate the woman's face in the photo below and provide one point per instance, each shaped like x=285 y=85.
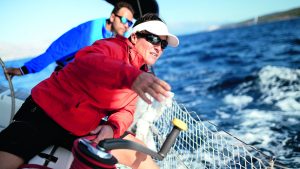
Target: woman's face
x=149 y=51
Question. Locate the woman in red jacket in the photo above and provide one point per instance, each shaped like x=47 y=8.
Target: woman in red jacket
x=103 y=80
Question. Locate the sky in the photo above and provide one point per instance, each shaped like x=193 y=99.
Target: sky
x=29 y=26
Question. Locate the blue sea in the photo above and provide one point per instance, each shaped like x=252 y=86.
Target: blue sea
x=245 y=80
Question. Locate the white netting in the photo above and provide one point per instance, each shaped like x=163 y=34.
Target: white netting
x=201 y=146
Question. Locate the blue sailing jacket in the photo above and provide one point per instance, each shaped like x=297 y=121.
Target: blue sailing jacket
x=63 y=49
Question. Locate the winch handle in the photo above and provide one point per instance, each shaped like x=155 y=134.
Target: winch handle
x=111 y=144
x=171 y=138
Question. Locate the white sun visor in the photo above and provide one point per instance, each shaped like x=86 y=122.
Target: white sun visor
x=157 y=28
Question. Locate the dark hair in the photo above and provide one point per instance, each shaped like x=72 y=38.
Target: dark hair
x=148 y=17
x=120 y=5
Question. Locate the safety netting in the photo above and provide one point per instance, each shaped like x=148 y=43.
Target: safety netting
x=201 y=146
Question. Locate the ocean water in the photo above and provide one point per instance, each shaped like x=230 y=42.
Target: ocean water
x=244 y=80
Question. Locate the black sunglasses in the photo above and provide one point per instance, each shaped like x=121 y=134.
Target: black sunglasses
x=124 y=20
x=153 y=39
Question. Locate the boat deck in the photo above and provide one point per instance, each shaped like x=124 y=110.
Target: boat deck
x=6 y=103
x=20 y=94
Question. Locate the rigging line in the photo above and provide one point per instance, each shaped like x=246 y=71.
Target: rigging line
x=140 y=9
x=12 y=93
x=271 y=159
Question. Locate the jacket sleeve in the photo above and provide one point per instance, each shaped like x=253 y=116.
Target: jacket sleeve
x=122 y=119
x=68 y=43
x=102 y=68
x=38 y=63
x=106 y=66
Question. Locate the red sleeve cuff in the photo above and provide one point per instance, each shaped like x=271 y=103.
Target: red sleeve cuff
x=116 y=130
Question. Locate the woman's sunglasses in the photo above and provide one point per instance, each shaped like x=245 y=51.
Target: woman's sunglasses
x=153 y=39
x=124 y=20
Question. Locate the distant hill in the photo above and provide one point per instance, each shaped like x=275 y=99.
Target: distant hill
x=284 y=15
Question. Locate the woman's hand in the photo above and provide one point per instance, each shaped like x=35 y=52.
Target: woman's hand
x=148 y=83
x=103 y=132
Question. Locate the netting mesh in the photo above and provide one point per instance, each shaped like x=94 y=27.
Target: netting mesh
x=202 y=145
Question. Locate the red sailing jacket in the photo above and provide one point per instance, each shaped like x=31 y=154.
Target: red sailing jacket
x=96 y=84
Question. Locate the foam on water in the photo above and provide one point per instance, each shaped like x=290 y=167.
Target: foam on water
x=281 y=86
x=237 y=101
x=288 y=104
x=270 y=130
x=255 y=126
